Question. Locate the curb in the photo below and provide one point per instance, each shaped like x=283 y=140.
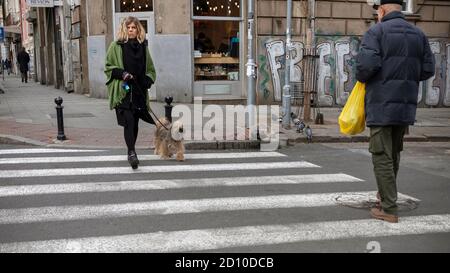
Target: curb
x=327 y=139
x=223 y=145
x=16 y=140
x=355 y=139
x=229 y=145
x=208 y=145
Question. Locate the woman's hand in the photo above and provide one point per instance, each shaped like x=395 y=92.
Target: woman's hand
x=127 y=76
x=148 y=82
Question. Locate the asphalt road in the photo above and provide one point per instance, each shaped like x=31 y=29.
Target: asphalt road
x=306 y=198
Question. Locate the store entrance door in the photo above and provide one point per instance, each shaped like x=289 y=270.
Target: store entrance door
x=146 y=19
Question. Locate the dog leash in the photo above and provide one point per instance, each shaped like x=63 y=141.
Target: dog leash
x=150 y=109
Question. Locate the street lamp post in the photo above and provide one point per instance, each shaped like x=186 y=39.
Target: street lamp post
x=287 y=77
x=251 y=71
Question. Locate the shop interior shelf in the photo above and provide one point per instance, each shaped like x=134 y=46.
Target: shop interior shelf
x=217 y=60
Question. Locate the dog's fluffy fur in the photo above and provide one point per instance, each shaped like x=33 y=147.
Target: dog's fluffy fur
x=168 y=143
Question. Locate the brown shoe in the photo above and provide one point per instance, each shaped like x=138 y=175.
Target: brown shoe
x=381 y=215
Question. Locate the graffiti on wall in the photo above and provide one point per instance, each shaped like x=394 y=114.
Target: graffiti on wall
x=432 y=96
x=336 y=76
x=324 y=80
x=447 y=83
x=336 y=71
x=276 y=58
x=275 y=52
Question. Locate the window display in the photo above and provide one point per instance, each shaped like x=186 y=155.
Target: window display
x=222 y=8
x=134 y=5
x=216 y=50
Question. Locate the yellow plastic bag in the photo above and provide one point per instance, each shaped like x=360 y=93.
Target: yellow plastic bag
x=352 y=120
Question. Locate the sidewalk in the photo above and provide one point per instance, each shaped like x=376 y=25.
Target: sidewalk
x=432 y=125
x=28 y=115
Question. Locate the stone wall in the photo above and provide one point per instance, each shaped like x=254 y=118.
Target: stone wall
x=340 y=25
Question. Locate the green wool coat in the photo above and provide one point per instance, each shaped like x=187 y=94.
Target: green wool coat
x=114 y=60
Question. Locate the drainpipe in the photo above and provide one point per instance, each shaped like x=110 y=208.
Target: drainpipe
x=251 y=70
x=312 y=6
x=67 y=46
x=287 y=79
x=310 y=60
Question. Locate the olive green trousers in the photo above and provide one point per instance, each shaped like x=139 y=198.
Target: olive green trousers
x=386 y=144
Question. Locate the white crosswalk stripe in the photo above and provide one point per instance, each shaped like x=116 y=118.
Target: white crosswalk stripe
x=18 y=172
x=155 y=169
x=173 y=184
x=73 y=159
x=46 y=214
x=211 y=239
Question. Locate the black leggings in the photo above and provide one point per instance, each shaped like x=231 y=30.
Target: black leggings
x=130 y=122
x=129 y=119
x=24 y=76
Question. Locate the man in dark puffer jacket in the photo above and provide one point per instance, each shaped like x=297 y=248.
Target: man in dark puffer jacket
x=394 y=57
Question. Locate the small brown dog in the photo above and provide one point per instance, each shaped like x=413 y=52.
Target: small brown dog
x=167 y=143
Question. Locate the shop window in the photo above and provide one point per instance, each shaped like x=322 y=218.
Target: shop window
x=216 y=54
x=134 y=5
x=216 y=39
x=222 y=8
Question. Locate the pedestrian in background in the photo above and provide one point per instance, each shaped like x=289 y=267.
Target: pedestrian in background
x=8 y=66
x=23 y=58
x=394 y=57
x=130 y=73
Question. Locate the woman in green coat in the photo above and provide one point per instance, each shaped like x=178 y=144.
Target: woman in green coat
x=130 y=73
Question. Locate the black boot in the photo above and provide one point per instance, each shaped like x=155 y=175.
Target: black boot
x=133 y=159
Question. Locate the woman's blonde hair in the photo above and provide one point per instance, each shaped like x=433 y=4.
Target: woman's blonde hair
x=122 y=34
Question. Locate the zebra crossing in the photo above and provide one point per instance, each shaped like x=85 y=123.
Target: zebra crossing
x=212 y=201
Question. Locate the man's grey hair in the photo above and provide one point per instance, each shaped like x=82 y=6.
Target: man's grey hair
x=392 y=7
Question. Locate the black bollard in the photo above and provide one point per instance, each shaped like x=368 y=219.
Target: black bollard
x=169 y=108
x=319 y=119
x=59 y=115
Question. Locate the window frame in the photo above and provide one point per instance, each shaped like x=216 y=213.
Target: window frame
x=117 y=10
x=409 y=9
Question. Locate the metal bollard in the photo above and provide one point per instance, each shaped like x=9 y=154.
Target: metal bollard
x=169 y=108
x=319 y=119
x=59 y=115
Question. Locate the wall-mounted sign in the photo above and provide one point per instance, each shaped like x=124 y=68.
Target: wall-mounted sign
x=2 y=34
x=40 y=3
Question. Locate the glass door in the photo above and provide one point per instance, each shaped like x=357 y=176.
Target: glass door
x=143 y=10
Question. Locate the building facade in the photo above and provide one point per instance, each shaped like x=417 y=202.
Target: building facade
x=339 y=27
x=12 y=28
x=199 y=46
